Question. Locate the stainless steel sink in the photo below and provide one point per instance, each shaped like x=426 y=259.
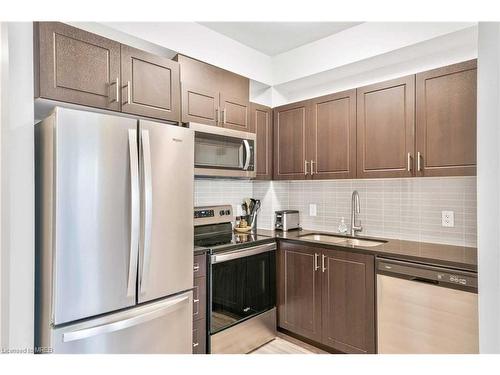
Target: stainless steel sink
x=365 y=243
x=323 y=238
x=341 y=240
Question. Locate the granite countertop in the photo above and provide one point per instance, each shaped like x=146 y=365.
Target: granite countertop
x=460 y=257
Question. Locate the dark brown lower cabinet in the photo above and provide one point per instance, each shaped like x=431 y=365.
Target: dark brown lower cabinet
x=348 y=301
x=327 y=296
x=299 y=290
x=200 y=305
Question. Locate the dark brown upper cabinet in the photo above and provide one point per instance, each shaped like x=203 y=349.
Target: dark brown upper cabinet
x=331 y=136
x=299 y=290
x=290 y=131
x=446 y=120
x=150 y=85
x=348 y=301
x=213 y=96
x=385 y=129
x=261 y=120
x=75 y=66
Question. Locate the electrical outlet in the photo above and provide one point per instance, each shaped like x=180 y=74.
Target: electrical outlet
x=313 y=209
x=447 y=219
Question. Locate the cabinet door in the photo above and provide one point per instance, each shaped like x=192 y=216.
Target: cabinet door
x=234 y=113
x=289 y=142
x=385 y=129
x=333 y=130
x=150 y=85
x=299 y=290
x=446 y=120
x=77 y=66
x=261 y=124
x=200 y=91
x=348 y=301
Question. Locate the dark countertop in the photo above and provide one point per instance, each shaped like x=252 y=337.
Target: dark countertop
x=459 y=257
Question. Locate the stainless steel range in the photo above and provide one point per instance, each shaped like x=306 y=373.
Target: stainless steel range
x=242 y=286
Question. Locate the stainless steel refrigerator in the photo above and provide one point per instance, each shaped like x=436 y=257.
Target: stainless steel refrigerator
x=114 y=234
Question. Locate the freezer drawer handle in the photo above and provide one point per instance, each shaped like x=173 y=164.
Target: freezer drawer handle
x=123 y=324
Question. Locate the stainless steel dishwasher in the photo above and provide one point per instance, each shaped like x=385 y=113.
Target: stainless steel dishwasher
x=425 y=309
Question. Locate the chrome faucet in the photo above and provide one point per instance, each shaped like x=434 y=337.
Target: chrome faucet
x=355 y=209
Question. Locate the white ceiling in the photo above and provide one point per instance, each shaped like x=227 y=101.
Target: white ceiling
x=273 y=38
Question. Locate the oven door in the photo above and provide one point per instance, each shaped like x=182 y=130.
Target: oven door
x=223 y=152
x=243 y=284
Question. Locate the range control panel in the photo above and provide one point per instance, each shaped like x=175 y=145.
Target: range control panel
x=213 y=215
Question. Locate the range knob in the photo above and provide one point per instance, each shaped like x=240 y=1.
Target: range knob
x=228 y=212
x=221 y=212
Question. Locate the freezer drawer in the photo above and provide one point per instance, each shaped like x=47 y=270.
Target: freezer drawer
x=163 y=327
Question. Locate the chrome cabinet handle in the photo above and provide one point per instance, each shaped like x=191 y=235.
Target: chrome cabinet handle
x=316 y=265
x=305 y=167
x=312 y=167
x=128 y=92
x=217 y=116
x=419 y=156
x=408 y=166
x=123 y=324
x=196 y=268
x=223 y=116
x=195 y=344
x=134 y=211
x=323 y=268
x=148 y=206
x=196 y=300
x=117 y=83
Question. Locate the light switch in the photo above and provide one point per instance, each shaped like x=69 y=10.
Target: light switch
x=313 y=209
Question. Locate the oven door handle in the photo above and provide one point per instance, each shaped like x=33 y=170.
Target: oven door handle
x=219 y=258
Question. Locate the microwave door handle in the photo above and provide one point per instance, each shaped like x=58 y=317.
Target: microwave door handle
x=247 y=154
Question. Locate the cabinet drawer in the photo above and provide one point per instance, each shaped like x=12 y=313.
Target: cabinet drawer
x=200 y=337
x=200 y=266
x=200 y=298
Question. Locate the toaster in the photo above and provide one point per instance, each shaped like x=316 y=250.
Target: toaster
x=286 y=220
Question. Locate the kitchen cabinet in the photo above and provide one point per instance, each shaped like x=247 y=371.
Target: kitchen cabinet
x=331 y=136
x=348 y=301
x=75 y=66
x=150 y=85
x=299 y=290
x=290 y=129
x=327 y=296
x=261 y=121
x=446 y=120
x=200 y=304
x=213 y=96
x=385 y=129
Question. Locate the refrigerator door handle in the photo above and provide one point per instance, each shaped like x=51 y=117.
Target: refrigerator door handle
x=148 y=206
x=106 y=328
x=134 y=211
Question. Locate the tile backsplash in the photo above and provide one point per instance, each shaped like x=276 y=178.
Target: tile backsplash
x=406 y=208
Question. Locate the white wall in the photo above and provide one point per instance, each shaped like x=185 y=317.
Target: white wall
x=17 y=186
x=488 y=186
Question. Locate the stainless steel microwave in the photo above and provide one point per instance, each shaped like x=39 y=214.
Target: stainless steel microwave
x=221 y=152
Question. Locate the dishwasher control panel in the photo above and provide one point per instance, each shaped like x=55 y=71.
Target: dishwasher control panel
x=428 y=274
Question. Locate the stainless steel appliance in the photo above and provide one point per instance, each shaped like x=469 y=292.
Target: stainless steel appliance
x=286 y=220
x=242 y=274
x=426 y=309
x=113 y=234
x=221 y=152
